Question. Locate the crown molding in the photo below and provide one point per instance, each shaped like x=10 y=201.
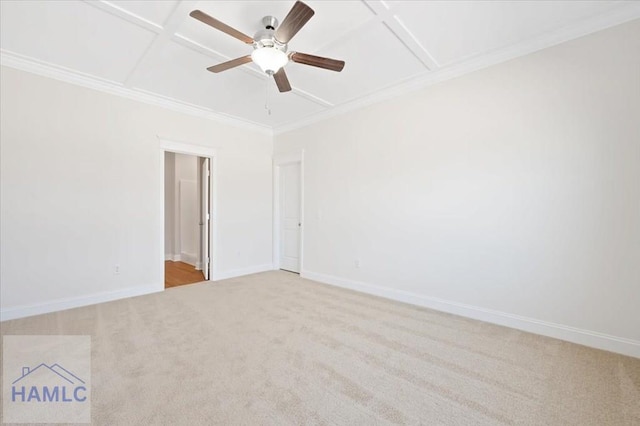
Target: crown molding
x=14 y=60
x=618 y=16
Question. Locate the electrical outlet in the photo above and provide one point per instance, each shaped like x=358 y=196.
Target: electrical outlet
x=116 y=269
x=357 y=263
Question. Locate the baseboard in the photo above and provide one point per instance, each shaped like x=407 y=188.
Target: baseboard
x=189 y=258
x=223 y=275
x=198 y=266
x=570 y=334
x=168 y=256
x=76 y=302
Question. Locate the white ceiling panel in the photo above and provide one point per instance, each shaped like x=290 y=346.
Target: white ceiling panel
x=74 y=35
x=152 y=11
x=374 y=58
x=454 y=30
x=181 y=74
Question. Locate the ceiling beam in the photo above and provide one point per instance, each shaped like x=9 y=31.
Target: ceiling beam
x=395 y=25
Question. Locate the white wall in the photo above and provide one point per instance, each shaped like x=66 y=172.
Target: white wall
x=81 y=191
x=514 y=190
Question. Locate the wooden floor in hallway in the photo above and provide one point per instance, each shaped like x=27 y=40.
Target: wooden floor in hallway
x=180 y=273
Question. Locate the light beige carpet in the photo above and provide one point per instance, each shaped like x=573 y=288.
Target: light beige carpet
x=276 y=349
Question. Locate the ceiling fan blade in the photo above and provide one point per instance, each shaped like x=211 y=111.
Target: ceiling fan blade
x=282 y=81
x=230 y=64
x=297 y=17
x=317 y=61
x=203 y=17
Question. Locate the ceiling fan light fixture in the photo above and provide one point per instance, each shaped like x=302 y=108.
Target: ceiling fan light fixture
x=269 y=59
x=270 y=45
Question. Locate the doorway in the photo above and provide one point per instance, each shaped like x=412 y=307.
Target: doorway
x=188 y=216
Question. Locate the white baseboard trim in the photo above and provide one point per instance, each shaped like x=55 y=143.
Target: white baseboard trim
x=198 y=266
x=189 y=258
x=168 y=256
x=223 y=275
x=76 y=302
x=580 y=336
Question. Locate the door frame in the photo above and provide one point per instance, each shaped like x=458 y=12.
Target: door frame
x=205 y=215
x=169 y=145
x=280 y=160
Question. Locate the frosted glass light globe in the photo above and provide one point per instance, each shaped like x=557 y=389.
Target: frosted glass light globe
x=269 y=59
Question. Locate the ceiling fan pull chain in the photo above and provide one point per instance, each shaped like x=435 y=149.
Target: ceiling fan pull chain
x=266 y=97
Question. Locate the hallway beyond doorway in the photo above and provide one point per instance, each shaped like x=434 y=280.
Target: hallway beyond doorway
x=180 y=273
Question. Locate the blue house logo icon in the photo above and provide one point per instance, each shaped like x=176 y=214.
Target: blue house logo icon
x=48 y=383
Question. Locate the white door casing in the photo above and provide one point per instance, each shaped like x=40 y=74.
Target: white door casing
x=205 y=216
x=290 y=217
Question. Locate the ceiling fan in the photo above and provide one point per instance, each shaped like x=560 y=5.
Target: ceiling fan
x=270 y=45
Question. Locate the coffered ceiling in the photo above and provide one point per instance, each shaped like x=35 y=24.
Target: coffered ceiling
x=153 y=50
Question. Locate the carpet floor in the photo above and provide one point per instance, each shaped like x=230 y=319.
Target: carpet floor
x=274 y=348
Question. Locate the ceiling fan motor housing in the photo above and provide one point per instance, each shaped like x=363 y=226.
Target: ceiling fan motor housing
x=266 y=37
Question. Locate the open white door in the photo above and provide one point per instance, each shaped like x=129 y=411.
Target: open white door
x=205 y=217
x=290 y=221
